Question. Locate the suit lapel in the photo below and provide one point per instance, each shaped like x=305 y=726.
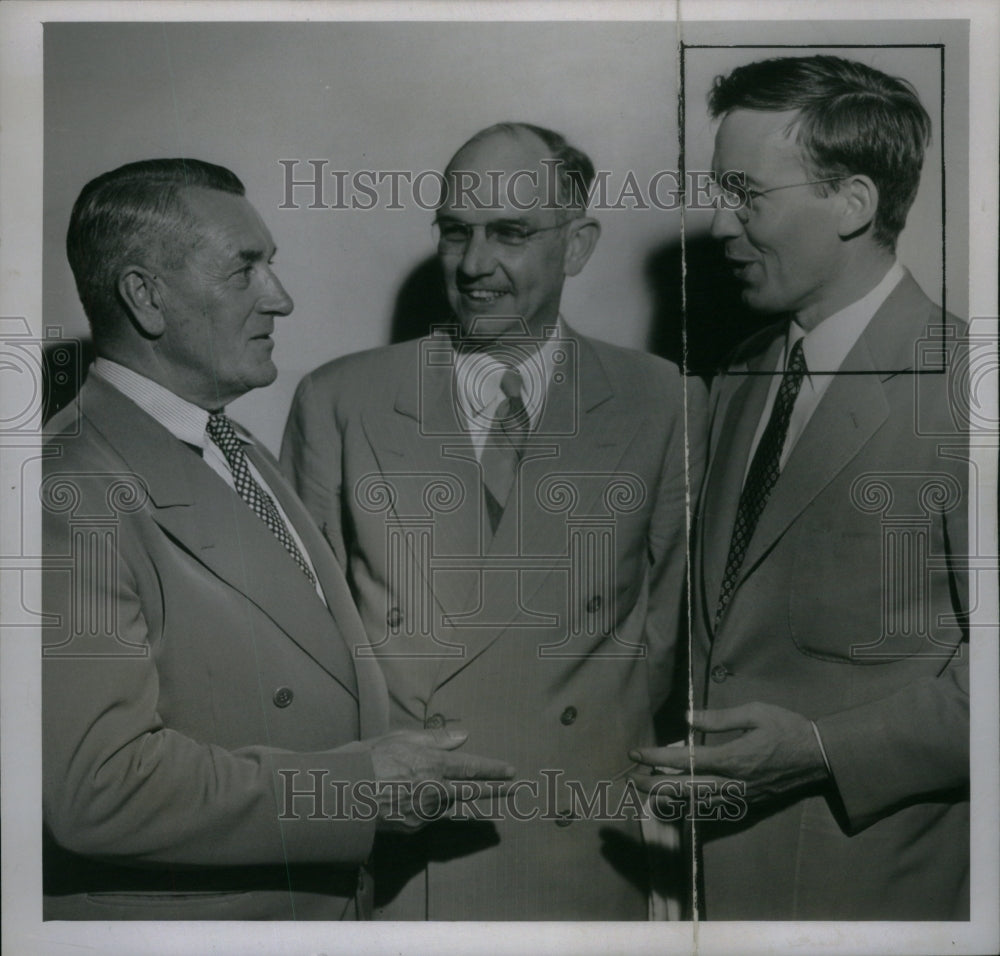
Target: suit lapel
x=373 y=697
x=851 y=411
x=847 y=416
x=747 y=391
x=428 y=467
x=205 y=517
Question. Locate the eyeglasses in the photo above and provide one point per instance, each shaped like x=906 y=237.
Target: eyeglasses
x=742 y=201
x=453 y=235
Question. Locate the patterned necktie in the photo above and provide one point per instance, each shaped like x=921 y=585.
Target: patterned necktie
x=763 y=473
x=221 y=431
x=504 y=446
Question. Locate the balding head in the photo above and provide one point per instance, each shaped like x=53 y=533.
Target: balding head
x=564 y=173
x=512 y=227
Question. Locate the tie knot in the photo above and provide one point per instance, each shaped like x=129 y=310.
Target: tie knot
x=510 y=383
x=796 y=358
x=220 y=430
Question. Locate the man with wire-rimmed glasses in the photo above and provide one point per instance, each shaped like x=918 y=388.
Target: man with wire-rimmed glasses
x=511 y=511
x=828 y=765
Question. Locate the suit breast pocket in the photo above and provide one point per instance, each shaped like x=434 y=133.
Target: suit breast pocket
x=838 y=604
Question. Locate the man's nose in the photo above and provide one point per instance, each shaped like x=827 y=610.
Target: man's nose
x=725 y=224
x=478 y=257
x=276 y=300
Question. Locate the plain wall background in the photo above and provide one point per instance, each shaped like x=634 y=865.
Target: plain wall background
x=404 y=96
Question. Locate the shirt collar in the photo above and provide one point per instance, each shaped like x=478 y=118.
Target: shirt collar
x=478 y=374
x=826 y=346
x=181 y=418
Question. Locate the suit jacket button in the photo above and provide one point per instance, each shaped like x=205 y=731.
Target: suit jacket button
x=394 y=618
x=564 y=818
x=568 y=716
x=719 y=673
x=282 y=697
x=435 y=722
x=594 y=604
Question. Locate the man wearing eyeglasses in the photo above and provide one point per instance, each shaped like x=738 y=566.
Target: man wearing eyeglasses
x=830 y=649
x=509 y=500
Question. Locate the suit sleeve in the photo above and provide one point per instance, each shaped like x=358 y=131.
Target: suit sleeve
x=680 y=480
x=121 y=786
x=914 y=743
x=311 y=459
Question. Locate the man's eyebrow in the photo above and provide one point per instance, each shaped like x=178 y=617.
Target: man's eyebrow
x=250 y=256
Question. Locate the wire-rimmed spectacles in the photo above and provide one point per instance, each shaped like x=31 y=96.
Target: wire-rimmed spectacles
x=742 y=201
x=452 y=234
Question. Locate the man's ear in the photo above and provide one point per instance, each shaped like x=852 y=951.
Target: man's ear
x=138 y=289
x=860 y=203
x=583 y=235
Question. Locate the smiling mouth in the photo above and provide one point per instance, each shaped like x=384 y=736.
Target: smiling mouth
x=483 y=296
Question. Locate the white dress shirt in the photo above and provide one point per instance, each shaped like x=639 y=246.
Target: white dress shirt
x=824 y=349
x=477 y=381
x=188 y=423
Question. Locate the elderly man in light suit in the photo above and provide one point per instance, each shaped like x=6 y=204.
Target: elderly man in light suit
x=830 y=653
x=215 y=746
x=509 y=499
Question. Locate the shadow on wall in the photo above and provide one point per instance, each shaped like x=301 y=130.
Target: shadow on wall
x=421 y=302
x=717 y=321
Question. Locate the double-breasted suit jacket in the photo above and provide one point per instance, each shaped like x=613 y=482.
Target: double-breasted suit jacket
x=849 y=609
x=550 y=643
x=192 y=678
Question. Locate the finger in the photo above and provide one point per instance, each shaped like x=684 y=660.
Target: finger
x=697 y=796
x=436 y=739
x=722 y=719
x=676 y=757
x=644 y=781
x=698 y=759
x=466 y=791
x=472 y=767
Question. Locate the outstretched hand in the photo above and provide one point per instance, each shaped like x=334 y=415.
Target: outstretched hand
x=776 y=752
x=420 y=775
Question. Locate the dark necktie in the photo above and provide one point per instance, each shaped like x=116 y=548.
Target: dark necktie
x=504 y=446
x=763 y=473
x=220 y=430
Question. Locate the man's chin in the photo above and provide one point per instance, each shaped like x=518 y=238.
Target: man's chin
x=485 y=326
x=261 y=376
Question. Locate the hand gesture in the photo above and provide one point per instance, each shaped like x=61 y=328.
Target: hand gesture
x=776 y=751
x=420 y=775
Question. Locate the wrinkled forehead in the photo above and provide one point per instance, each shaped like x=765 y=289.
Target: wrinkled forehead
x=508 y=173
x=761 y=143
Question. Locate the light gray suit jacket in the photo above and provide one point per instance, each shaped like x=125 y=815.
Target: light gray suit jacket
x=551 y=644
x=850 y=609
x=192 y=678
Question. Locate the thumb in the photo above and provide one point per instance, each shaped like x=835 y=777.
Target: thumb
x=722 y=719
